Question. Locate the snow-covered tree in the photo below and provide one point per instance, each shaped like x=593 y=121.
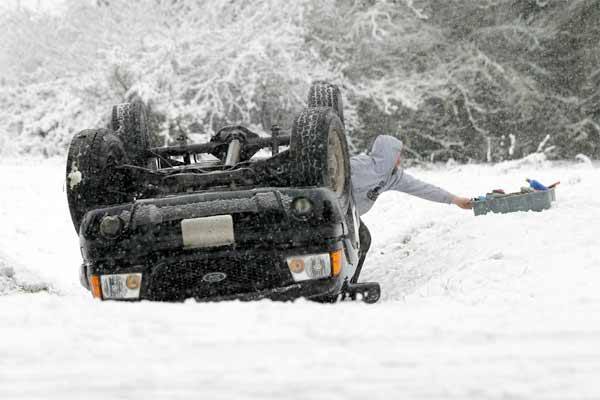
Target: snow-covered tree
x=197 y=65
x=469 y=79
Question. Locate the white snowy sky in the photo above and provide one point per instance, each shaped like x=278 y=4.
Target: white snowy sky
x=46 y=5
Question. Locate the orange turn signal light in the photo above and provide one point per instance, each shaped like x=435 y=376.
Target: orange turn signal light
x=96 y=287
x=336 y=262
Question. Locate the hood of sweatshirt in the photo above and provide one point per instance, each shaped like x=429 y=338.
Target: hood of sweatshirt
x=384 y=153
x=378 y=165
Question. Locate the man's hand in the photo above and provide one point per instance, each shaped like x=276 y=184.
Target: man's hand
x=462 y=202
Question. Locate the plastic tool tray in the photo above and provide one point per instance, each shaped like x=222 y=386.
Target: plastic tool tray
x=533 y=201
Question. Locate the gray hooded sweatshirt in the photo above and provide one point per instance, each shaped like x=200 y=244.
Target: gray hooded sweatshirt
x=376 y=173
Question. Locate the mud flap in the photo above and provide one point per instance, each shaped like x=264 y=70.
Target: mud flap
x=83 y=278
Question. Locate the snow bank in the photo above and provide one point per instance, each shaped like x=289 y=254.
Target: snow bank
x=36 y=225
x=15 y=278
x=432 y=250
x=7 y=281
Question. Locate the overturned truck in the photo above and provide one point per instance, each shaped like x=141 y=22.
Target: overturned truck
x=218 y=221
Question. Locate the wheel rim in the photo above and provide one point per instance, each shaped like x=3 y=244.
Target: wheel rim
x=336 y=165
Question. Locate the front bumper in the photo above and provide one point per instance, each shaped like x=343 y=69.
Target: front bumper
x=246 y=275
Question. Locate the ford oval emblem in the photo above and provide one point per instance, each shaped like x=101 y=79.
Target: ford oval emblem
x=214 y=277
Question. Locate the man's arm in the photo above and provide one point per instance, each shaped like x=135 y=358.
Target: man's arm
x=403 y=182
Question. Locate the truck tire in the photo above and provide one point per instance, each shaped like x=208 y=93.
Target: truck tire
x=129 y=123
x=319 y=152
x=323 y=94
x=92 y=179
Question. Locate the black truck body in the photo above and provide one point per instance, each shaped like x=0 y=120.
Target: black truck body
x=214 y=221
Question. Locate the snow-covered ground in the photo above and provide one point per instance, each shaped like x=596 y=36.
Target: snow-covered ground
x=498 y=306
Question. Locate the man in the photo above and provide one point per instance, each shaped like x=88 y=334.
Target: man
x=380 y=171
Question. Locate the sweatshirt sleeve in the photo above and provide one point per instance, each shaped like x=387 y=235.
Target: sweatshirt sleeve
x=403 y=182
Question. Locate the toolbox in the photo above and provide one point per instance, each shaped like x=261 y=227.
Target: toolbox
x=533 y=201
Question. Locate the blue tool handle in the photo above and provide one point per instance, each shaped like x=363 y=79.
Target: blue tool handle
x=536 y=185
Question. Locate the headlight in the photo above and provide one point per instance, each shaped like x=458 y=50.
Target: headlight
x=312 y=266
x=302 y=207
x=110 y=226
x=121 y=286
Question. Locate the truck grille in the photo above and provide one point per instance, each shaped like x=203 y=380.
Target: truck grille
x=216 y=277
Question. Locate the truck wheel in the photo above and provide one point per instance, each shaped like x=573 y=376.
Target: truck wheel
x=92 y=179
x=323 y=94
x=130 y=124
x=319 y=152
